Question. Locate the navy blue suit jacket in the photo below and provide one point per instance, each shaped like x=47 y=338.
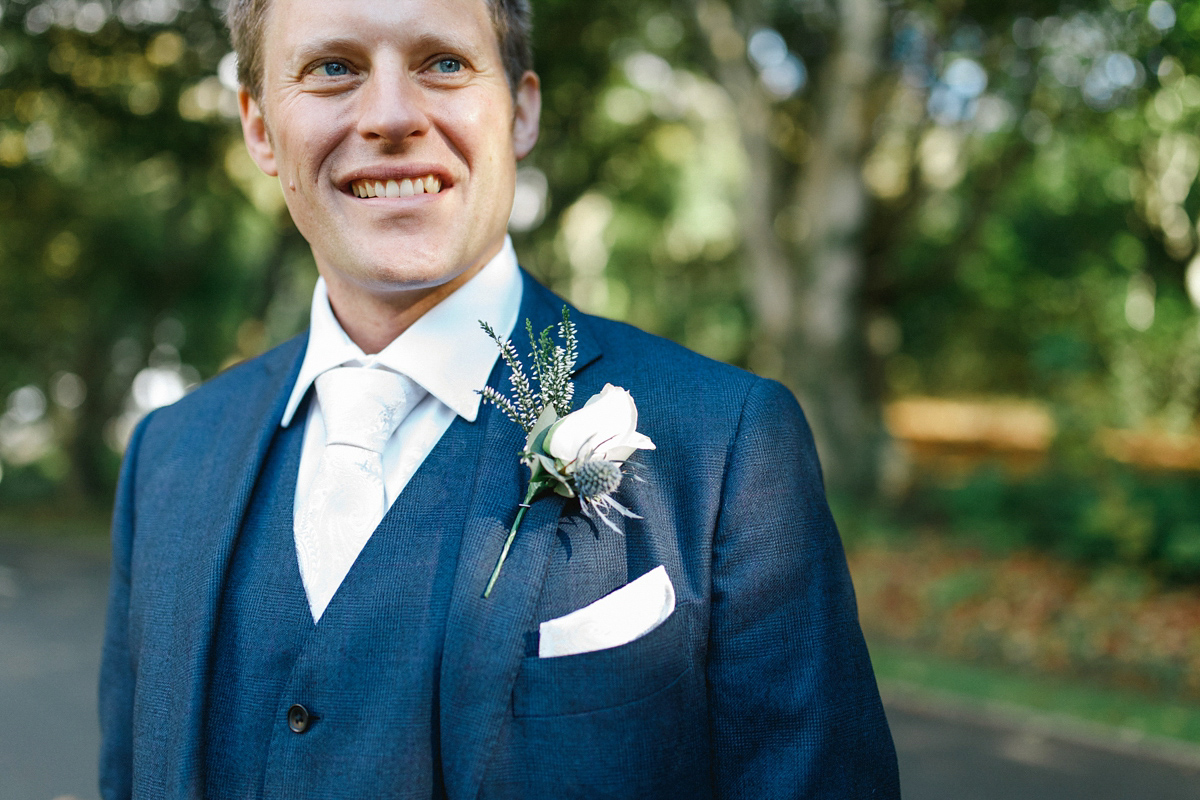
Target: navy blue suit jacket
x=758 y=685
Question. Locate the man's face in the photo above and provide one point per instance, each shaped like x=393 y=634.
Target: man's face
x=394 y=134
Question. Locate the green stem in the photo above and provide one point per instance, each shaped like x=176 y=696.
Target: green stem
x=512 y=534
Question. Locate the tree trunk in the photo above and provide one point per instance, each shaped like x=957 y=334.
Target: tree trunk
x=769 y=278
x=824 y=355
x=806 y=303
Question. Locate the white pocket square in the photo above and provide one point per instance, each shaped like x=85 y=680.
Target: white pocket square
x=618 y=618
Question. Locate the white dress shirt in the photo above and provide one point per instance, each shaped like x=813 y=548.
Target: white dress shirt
x=445 y=351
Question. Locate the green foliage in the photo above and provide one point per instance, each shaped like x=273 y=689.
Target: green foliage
x=1046 y=256
x=1044 y=701
x=637 y=146
x=1108 y=515
x=132 y=234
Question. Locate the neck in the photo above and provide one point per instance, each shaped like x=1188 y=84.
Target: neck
x=373 y=319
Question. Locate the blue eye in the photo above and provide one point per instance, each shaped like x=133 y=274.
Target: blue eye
x=448 y=65
x=333 y=69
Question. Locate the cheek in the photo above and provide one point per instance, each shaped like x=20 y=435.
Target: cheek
x=306 y=139
x=481 y=129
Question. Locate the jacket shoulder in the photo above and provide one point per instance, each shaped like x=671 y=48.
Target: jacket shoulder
x=620 y=339
x=664 y=367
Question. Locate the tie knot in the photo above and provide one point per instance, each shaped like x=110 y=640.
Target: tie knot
x=363 y=406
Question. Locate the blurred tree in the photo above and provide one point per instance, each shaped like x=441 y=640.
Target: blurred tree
x=865 y=199
x=967 y=200
x=135 y=238
x=806 y=301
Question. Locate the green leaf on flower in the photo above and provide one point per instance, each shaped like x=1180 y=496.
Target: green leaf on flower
x=534 y=443
x=550 y=466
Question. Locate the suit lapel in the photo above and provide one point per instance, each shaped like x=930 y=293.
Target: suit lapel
x=485 y=639
x=227 y=465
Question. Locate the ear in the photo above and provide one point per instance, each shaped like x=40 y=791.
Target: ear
x=254 y=130
x=527 y=115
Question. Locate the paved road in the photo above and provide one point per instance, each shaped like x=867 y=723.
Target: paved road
x=51 y=615
x=951 y=753
x=51 y=626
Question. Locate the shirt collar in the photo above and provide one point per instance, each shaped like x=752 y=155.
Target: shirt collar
x=445 y=350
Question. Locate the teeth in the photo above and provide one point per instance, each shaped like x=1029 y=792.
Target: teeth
x=407 y=187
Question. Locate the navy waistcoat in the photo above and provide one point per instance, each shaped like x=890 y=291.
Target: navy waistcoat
x=367 y=673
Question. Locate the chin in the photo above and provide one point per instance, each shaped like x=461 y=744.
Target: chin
x=406 y=276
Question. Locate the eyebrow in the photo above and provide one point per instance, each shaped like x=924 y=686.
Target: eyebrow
x=315 y=48
x=446 y=41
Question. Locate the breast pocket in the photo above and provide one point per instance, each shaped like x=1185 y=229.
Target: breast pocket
x=608 y=678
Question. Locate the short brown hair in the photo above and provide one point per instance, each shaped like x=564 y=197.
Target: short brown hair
x=511 y=19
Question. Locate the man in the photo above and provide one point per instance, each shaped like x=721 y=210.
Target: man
x=297 y=608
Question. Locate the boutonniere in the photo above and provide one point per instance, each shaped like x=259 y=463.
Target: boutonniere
x=578 y=454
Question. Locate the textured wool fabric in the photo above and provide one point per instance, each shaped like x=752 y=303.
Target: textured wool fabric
x=757 y=686
x=375 y=724
x=261 y=626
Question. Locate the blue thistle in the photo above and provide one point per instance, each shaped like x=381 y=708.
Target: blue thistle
x=597 y=478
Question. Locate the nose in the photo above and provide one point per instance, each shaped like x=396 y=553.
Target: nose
x=391 y=106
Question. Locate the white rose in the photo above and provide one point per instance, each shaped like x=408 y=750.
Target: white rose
x=605 y=428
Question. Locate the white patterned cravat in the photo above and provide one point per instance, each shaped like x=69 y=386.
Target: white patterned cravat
x=362 y=408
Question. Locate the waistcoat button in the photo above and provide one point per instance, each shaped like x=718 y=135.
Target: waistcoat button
x=298 y=718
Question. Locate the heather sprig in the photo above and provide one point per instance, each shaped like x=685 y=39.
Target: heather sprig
x=552 y=366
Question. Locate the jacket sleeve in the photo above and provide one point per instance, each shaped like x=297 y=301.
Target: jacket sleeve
x=794 y=709
x=116 y=667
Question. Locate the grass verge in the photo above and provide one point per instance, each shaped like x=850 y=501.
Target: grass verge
x=86 y=530
x=1126 y=712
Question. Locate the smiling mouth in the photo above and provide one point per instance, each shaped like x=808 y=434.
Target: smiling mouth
x=366 y=187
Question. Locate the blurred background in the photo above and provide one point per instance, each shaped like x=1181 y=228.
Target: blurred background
x=963 y=233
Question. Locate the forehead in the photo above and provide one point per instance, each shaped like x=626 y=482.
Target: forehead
x=297 y=23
